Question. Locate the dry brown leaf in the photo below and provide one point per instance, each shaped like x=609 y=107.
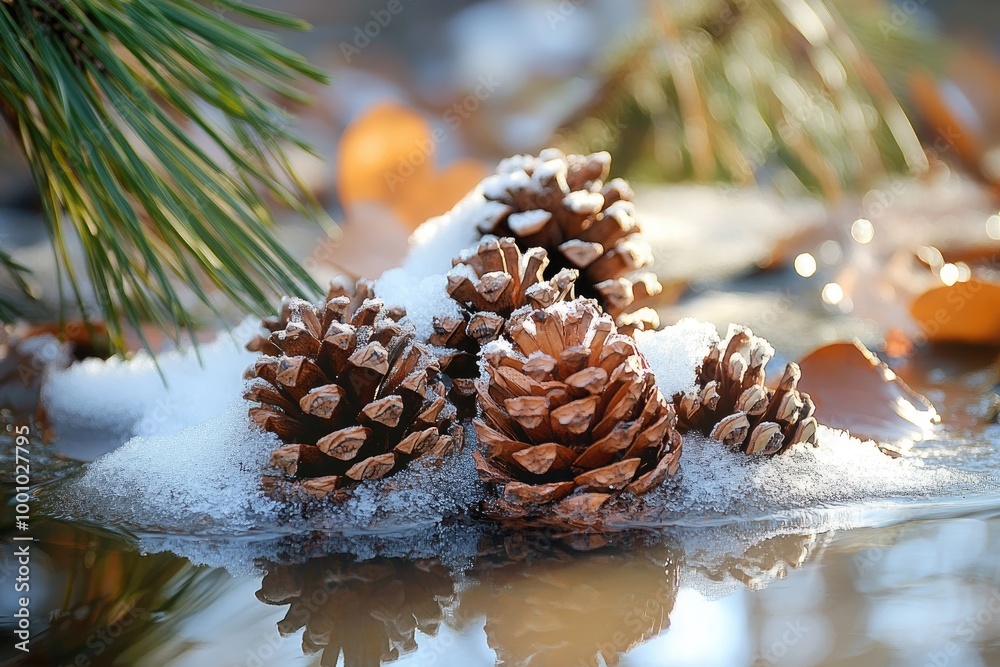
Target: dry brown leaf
x=854 y=390
x=388 y=156
x=966 y=312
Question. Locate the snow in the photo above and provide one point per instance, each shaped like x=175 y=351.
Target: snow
x=131 y=397
x=423 y=298
x=202 y=478
x=717 y=484
x=528 y=222
x=675 y=352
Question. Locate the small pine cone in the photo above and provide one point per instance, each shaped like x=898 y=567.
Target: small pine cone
x=733 y=405
x=356 y=293
x=352 y=395
x=490 y=282
x=562 y=204
x=369 y=611
x=571 y=418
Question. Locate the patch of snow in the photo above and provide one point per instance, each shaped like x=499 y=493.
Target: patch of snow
x=716 y=484
x=675 y=352
x=203 y=478
x=130 y=397
x=423 y=298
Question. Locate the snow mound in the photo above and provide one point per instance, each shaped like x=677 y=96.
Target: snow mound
x=675 y=352
x=199 y=479
x=130 y=396
x=206 y=479
x=719 y=485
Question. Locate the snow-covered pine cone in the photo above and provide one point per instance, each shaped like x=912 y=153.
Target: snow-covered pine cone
x=489 y=282
x=571 y=417
x=356 y=292
x=732 y=404
x=562 y=204
x=351 y=394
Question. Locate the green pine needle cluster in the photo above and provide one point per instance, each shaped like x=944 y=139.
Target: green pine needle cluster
x=105 y=97
x=744 y=90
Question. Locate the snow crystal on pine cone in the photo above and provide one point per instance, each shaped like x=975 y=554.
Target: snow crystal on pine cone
x=675 y=352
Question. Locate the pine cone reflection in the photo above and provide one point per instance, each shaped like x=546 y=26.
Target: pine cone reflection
x=367 y=611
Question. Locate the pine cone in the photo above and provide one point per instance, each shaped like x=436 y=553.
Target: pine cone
x=733 y=405
x=561 y=203
x=353 y=397
x=357 y=292
x=570 y=418
x=369 y=611
x=490 y=282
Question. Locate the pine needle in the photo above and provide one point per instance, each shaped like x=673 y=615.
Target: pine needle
x=105 y=97
x=740 y=91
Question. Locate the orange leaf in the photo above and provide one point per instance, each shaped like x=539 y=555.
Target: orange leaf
x=966 y=312
x=854 y=390
x=388 y=155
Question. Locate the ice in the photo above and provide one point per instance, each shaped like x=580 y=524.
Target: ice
x=204 y=478
x=675 y=352
x=130 y=397
x=717 y=484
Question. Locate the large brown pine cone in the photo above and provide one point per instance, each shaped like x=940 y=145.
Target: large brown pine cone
x=571 y=417
x=732 y=404
x=353 y=396
x=367 y=611
x=562 y=204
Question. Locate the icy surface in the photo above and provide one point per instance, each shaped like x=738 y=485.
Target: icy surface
x=720 y=485
x=675 y=352
x=201 y=478
x=131 y=397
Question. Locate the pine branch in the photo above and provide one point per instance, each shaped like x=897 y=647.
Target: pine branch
x=783 y=90
x=94 y=90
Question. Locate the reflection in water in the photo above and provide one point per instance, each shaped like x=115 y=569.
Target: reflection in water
x=95 y=601
x=540 y=600
x=369 y=611
x=751 y=563
x=553 y=605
